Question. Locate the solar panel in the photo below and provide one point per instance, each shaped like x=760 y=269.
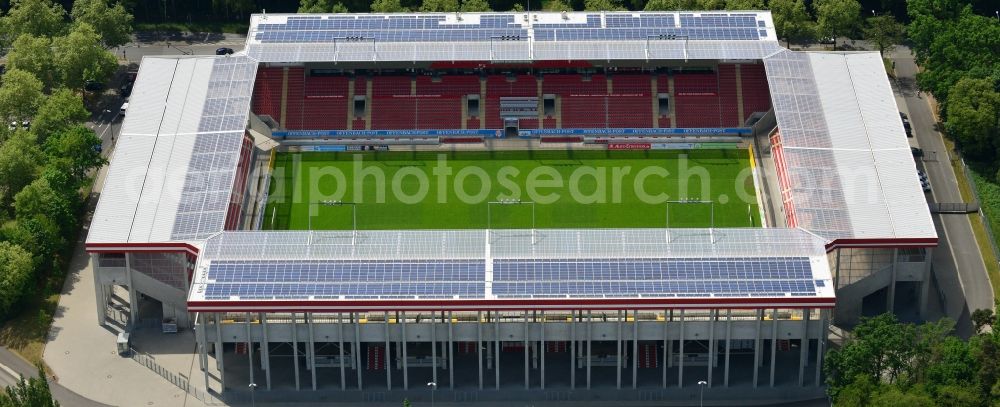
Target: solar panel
x=325 y=271
x=700 y=277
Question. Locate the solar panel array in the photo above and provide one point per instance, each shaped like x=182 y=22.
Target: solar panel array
x=209 y=179
x=724 y=277
x=511 y=278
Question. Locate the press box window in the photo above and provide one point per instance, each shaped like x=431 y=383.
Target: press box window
x=663 y=103
x=472 y=105
x=359 y=106
x=549 y=105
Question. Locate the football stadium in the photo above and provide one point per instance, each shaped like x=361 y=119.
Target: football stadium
x=576 y=207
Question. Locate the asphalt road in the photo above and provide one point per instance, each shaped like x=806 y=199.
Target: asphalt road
x=63 y=395
x=957 y=261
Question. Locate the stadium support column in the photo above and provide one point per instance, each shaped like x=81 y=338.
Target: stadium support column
x=340 y=346
x=821 y=343
x=312 y=348
x=668 y=347
x=100 y=289
x=618 y=350
x=249 y=347
x=729 y=338
x=756 y=348
x=541 y=346
x=264 y=349
x=572 y=349
x=357 y=348
x=590 y=330
x=712 y=343
x=774 y=342
x=804 y=346
x=434 y=358
x=891 y=297
x=680 y=362
x=220 y=352
x=406 y=374
x=295 y=348
x=635 y=348
x=451 y=351
x=479 y=346
x=133 y=297
x=202 y=336
x=925 y=285
x=527 y=350
x=496 y=343
x=388 y=352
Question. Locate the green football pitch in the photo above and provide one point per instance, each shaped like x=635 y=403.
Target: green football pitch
x=511 y=189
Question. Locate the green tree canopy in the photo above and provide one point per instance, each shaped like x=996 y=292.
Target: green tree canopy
x=79 y=57
x=112 y=22
x=76 y=144
x=16 y=272
x=388 y=6
x=671 y=5
x=475 y=6
x=558 y=5
x=40 y=199
x=321 y=6
x=603 y=5
x=20 y=95
x=973 y=111
x=745 y=5
x=792 y=21
x=884 y=32
x=41 y=18
x=60 y=110
x=838 y=18
x=32 y=392
x=33 y=54
x=20 y=158
x=951 y=46
x=711 y=4
x=439 y=6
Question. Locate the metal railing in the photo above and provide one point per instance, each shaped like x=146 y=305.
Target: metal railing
x=182 y=382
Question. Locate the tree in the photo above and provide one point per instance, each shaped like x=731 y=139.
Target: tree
x=113 y=23
x=41 y=18
x=15 y=275
x=77 y=145
x=20 y=95
x=973 y=111
x=792 y=21
x=603 y=5
x=79 y=57
x=19 y=161
x=671 y=5
x=387 y=6
x=60 y=110
x=981 y=318
x=32 y=392
x=430 y=6
x=711 y=4
x=952 y=45
x=475 y=6
x=745 y=5
x=879 y=351
x=40 y=199
x=895 y=397
x=321 y=6
x=883 y=31
x=837 y=18
x=32 y=54
x=558 y=5
x=517 y=8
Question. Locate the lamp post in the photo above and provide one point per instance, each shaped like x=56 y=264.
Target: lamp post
x=701 y=393
x=253 y=399
x=434 y=387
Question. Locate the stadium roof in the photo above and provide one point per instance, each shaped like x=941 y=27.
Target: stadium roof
x=473 y=269
x=172 y=171
x=848 y=166
x=535 y=36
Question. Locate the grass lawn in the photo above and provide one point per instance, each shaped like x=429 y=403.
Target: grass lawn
x=570 y=189
x=26 y=333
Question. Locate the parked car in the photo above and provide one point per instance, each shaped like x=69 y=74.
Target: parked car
x=921 y=175
x=94 y=86
x=224 y=51
x=125 y=90
x=917 y=151
x=925 y=185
